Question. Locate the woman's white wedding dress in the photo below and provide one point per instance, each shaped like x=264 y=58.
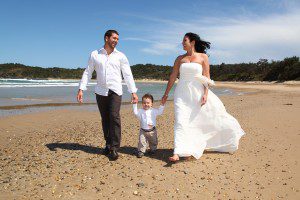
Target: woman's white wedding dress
x=198 y=128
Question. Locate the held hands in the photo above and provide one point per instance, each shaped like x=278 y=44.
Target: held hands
x=203 y=99
x=80 y=96
x=134 y=98
x=164 y=99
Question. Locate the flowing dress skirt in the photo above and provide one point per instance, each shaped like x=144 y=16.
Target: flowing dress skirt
x=198 y=128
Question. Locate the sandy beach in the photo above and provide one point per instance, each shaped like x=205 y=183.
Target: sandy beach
x=58 y=154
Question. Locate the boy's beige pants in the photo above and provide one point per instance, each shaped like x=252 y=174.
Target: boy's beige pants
x=147 y=138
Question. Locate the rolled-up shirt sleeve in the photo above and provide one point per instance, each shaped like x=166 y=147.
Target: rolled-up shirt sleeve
x=87 y=74
x=127 y=74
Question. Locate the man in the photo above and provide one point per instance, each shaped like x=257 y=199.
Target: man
x=109 y=63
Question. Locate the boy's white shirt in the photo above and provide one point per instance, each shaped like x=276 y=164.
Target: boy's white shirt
x=147 y=117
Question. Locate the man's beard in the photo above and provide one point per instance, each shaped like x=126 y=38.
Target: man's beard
x=111 y=45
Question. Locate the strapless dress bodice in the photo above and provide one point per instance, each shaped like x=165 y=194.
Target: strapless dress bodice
x=193 y=72
x=188 y=71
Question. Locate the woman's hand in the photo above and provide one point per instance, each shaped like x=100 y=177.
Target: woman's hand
x=164 y=99
x=203 y=99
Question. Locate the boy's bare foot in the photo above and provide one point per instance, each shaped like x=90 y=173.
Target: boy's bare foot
x=174 y=158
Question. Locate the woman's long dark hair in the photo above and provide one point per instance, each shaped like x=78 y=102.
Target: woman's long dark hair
x=200 y=45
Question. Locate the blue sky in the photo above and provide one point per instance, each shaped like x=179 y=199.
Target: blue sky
x=62 y=33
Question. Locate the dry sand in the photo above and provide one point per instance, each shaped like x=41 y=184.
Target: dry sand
x=57 y=154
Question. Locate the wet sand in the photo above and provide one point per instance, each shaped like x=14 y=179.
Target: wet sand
x=58 y=154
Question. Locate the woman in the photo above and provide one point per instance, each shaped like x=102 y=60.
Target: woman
x=201 y=120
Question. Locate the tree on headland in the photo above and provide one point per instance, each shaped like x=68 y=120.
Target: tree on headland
x=288 y=69
x=263 y=70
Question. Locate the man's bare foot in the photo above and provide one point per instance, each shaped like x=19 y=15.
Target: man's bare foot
x=174 y=158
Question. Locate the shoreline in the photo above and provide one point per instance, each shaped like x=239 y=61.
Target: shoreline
x=244 y=87
x=289 y=86
x=56 y=105
x=291 y=82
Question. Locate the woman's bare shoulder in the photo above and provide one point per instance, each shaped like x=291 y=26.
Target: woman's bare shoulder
x=202 y=55
x=203 y=58
x=180 y=57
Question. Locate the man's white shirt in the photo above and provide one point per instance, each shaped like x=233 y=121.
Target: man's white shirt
x=108 y=68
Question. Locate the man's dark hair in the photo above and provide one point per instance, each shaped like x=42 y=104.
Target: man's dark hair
x=109 y=33
x=148 y=96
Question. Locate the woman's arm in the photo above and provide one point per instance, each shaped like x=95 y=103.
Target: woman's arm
x=205 y=72
x=172 y=79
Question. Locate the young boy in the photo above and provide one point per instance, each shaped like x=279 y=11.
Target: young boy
x=147 y=116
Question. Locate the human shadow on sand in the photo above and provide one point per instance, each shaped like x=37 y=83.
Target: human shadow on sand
x=74 y=146
x=161 y=154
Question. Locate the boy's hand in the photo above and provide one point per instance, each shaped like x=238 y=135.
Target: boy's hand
x=134 y=98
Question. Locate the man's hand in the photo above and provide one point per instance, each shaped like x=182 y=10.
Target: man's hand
x=134 y=98
x=79 y=96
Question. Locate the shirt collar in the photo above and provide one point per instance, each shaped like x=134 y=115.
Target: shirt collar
x=102 y=50
x=147 y=110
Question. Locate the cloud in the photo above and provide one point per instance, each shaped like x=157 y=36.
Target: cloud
x=162 y=48
x=138 y=39
x=156 y=48
x=234 y=39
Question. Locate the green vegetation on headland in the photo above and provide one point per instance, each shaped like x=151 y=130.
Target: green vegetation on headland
x=287 y=69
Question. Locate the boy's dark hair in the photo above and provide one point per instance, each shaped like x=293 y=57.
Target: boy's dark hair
x=109 y=33
x=148 y=96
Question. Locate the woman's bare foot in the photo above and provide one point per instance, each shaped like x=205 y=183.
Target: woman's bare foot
x=174 y=158
x=189 y=158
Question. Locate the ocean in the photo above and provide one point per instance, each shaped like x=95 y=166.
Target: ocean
x=19 y=96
